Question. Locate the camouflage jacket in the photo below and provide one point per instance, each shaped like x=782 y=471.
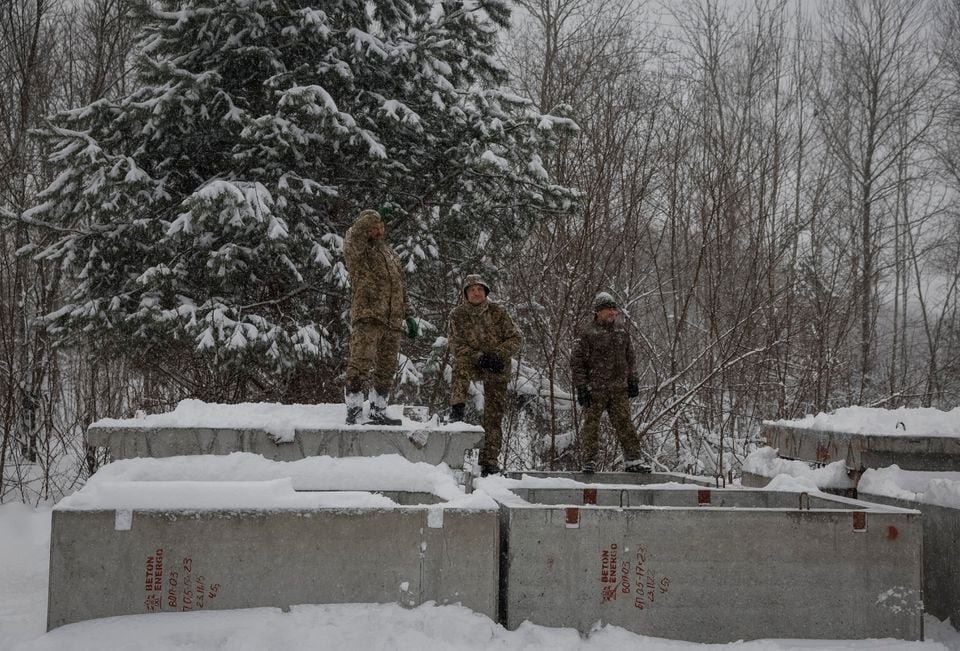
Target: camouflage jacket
x=484 y=328
x=603 y=357
x=376 y=277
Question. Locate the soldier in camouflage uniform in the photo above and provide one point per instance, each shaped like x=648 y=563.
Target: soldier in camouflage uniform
x=483 y=339
x=378 y=314
x=605 y=377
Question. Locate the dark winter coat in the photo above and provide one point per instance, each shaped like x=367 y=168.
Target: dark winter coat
x=376 y=277
x=603 y=357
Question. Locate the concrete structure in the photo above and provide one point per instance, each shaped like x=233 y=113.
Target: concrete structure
x=861 y=451
x=941 y=540
x=631 y=478
x=433 y=446
x=710 y=565
x=108 y=557
x=941 y=560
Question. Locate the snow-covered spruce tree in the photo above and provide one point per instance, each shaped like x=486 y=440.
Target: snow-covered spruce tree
x=200 y=218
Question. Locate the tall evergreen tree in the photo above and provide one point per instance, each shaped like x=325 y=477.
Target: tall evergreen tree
x=201 y=216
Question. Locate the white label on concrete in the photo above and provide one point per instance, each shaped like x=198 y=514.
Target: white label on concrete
x=435 y=517
x=123 y=520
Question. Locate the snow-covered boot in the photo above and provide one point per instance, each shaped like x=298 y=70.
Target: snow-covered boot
x=635 y=465
x=378 y=409
x=354 y=402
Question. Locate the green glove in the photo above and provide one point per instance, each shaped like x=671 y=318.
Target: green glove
x=413 y=328
x=385 y=211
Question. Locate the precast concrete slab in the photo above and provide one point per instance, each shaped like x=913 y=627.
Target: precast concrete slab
x=124 y=548
x=632 y=478
x=433 y=446
x=863 y=450
x=709 y=565
x=281 y=432
x=941 y=560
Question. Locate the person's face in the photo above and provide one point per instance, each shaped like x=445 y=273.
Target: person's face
x=607 y=315
x=377 y=231
x=476 y=294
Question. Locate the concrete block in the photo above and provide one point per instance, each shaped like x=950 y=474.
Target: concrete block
x=128 y=560
x=433 y=446
x=941 y=560
x=710 y=565
x=630 y=478
x=861 y=451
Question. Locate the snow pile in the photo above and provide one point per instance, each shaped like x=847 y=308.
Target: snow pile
x=765 y=463
x=922 y=421
x=926 y=487
x=245 y=481
x=278 y=420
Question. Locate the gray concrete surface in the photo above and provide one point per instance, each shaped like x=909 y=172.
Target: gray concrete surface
x=431 y=446
x=711 y=565
x=861 y=451
x=941 y=555
x=632 y=478
x=941 y=542
x=105 y=562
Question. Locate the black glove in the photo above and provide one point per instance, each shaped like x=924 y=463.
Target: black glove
x=633 y=388
x=584 y=398
x=490 y=362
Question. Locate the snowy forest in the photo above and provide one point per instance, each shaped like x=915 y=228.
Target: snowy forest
x=769 y=189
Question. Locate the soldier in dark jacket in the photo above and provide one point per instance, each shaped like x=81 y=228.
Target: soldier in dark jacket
x=379 y=312
x=605 y=378
x=483 y=339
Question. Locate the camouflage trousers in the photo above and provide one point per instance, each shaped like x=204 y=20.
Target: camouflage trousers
x=617 y=405
x=494 y=402
x=373 y=356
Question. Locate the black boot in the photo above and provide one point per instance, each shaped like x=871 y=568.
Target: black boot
x=489 y=468
x=456 y=413
x=378 y=409
x=378 y=417
x=636 y=465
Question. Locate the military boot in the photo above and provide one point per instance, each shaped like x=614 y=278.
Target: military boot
x=354 y=402
x=635 y=465
x=378 y=409
x=456 y=413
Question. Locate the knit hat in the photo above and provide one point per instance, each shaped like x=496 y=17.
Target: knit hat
x=603 y=300
x=474 y=279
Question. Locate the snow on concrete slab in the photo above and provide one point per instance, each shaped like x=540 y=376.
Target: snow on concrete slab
x=919 y=421
x=925 y=487
x=279 y=420
x=941 y=488
x=202 y=496
x=243 y=480
x=796 y=475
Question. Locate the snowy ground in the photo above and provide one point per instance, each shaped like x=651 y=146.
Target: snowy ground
x=24 y=553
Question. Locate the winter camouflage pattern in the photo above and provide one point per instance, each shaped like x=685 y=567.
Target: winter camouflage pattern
x=603 y=360
x=379 y=306
x=474 y=330
x=376 y=277
x=617 y=405
x=373 y=347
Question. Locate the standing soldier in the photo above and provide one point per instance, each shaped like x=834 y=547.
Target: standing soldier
x=605 y=377
x=483 y=339
x=379 y=312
